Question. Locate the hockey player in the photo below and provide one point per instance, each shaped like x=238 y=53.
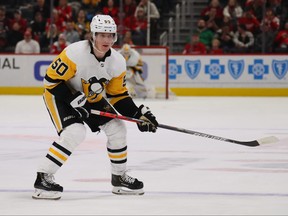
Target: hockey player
x=74 y=83
x=135 y=82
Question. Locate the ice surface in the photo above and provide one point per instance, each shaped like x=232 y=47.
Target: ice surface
x=182 y=174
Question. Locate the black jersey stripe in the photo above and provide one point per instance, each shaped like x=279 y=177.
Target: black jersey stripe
x=67 y=152
x=62 y=91
x=119 y=162
x=117 y=150
x=49 y=79
x=54 y=160
x=118 y=95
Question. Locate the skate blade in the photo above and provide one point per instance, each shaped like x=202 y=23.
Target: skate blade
x=127 y=191
x=48 y=195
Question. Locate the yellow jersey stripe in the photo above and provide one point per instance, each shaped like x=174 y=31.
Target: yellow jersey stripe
x=59 y=155
x=120 y=156
x=49 y=100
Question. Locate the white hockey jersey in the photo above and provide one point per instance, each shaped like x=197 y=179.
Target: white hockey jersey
x=82 y=71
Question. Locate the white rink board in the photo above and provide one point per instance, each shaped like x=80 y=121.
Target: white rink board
x=29 y=70
x=23 y=70
x=185 y=71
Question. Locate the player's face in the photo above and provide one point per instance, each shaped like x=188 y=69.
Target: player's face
x=104 y=41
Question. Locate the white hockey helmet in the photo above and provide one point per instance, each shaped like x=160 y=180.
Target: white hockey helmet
x=103 y=24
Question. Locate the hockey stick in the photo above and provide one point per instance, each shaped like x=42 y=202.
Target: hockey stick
x=253 y=143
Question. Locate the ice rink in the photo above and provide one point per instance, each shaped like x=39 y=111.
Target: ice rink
x=183 y=174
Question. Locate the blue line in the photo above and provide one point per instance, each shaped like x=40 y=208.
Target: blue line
x=177 y=193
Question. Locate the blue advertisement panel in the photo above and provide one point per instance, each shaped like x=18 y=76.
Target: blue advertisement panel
x=228 y=71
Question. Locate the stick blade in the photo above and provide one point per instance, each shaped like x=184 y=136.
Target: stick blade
x=267 y=140
x=254 y=143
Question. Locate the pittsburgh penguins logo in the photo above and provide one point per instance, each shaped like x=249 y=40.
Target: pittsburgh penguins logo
x=93 y=87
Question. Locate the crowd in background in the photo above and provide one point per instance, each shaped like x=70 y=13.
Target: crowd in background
x=241 y=26
x=70 y=21
x=225 y=26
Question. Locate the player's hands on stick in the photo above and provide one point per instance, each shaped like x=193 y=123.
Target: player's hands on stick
x=81 y=105
x=150 y=124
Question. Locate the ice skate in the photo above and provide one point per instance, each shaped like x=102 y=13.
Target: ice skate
x=46 y=188
x=126 y=185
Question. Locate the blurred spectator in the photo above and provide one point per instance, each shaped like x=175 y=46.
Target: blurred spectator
x=270 y=20
x=205 y=34
x=17 y=17
x=111 y=9
x=195 y=46
x=129 y=8
x=14 y=35
x=139 y=27
x=70 y=33
x=277 y=8
x=144 y=4
x=51 y=35
x=81 y=32
x=57 y=20
x=233 y=10
x=256 y=7
x=64 y=10
x=243 y=40
x=216 y=47
x=4 y=28
x=91 y=7
x=281 y=39
x=213 y=11
x=228 y=22
x=128 y=16
x=82 y=25
x=59 y=45
x=154 y=15
x=284 y=13
x=38 y=27
x=212 y=23
x=27 y=45
x=264 y=41
x=43 y=7
x=87 y=36
x=250 y=21
x=225 y=36
x=127 y=39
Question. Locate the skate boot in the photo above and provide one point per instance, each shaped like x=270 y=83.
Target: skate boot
x=46 y=188
x=126 y=185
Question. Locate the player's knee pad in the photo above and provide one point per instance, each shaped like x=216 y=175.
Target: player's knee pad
x=115 y=131
x=72 y=136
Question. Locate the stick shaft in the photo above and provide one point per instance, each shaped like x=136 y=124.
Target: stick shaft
x=168 y=127
x=112 y=115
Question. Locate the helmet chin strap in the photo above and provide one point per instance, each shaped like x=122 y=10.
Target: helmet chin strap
x=94 y=47
x=97 y=49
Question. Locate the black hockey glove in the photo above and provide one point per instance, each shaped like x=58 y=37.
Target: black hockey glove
x=81 y=105
x=150 y=123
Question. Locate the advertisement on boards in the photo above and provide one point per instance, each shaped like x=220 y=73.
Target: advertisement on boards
x=185 y=72
x=228 y=71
